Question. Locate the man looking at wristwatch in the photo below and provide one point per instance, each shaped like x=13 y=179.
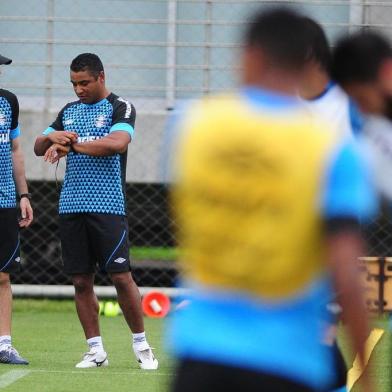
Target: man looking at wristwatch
x=94 y=133
x=12 y=180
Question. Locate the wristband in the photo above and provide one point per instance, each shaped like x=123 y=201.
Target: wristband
x=26 y=195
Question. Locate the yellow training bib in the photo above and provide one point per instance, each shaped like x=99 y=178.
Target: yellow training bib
x=247 y=197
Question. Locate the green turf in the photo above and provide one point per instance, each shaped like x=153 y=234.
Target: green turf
x=49 y=335
x=380 y=366
x=154 y=253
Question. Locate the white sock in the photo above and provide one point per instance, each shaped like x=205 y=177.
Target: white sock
x=140 y=341
x=96 y=343
x=5 y=340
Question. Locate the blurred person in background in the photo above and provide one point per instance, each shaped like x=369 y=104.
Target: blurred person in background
x=362 y=65
x=268 y=209
x=94 y=133
x=12 y=182
x=320 y=93
x=328 y=102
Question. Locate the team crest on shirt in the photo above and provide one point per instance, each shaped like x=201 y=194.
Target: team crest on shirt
x=100 y=122
x=2 y=119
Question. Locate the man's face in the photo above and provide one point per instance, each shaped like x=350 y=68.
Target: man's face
x=370 y=97
x=87 y=87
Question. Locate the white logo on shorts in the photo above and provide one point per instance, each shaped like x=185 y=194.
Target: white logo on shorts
x=120 y=260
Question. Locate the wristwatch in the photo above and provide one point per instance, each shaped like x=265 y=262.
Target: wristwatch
x=26 y=195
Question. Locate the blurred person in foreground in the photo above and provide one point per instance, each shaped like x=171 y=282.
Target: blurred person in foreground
x=12 y=182
x=267 y=208
x=362 y=65
x=94 y=133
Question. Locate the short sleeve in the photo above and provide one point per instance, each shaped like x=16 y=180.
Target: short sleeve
x=14 y=104
x=14 y=133
x=124 y=117
x=349 y=191
x=57 y=125
x=15 y=112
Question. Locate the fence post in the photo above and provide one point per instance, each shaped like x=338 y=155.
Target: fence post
x=356 y=15
x=171 y=54
x=207 y=48
x=382 y=278
x=49 y=55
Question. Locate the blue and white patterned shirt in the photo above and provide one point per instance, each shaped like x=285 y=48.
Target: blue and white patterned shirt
x=9 y=130
x=95 y=184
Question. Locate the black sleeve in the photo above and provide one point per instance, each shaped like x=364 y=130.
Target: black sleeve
x=15 y=112
x=58 y=123
x=123 y=112
x=14 y=104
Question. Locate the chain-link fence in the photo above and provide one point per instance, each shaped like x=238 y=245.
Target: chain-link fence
x=156 y=53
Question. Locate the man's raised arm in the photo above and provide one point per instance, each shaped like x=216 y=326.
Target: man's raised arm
x=114 y=143
x=43 y=142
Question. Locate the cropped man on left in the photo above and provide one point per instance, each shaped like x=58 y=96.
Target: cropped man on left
x=12 y=180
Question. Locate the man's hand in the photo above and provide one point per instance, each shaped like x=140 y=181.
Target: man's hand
x=26 y=212
x=56 y=152
x=63 y=137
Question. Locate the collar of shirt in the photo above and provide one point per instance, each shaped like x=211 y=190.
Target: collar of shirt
x=329 y=86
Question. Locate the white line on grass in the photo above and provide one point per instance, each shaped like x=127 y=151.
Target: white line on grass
x=10 y=377
x=127 y=373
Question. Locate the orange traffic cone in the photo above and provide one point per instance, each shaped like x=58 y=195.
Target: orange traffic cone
x=156 y=304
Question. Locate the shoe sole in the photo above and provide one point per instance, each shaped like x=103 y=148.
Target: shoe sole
x=90 y=365
x=16 y=363
x=154 y=367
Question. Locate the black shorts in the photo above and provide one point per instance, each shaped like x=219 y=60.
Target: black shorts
x=92 y=240
x=10 y=242
x=197 y=376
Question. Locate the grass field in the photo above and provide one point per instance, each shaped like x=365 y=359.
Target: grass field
x=154 y=253
x=380 y=365
x=49 y=335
